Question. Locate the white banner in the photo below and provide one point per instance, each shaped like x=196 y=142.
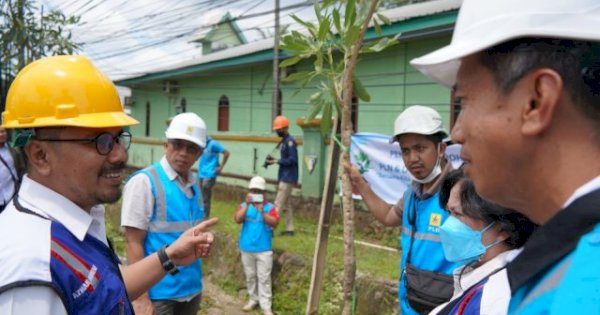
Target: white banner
x=381 y=164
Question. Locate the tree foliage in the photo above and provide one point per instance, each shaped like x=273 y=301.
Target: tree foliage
x=328 y=44
x=27 y=33
x=333 y=44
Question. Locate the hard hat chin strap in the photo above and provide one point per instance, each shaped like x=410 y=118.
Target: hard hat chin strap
x=435 y=172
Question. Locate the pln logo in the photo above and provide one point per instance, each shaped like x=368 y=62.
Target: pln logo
x=363 y=162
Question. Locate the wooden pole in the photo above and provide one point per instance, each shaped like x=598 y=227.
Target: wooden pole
x=318 y=267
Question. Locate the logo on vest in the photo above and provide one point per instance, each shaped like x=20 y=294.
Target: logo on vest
x=87 y=285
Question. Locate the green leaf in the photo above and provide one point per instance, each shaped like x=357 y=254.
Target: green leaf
x=309 y=26
x=350 y=13
x=300 y=75
x=352 y=35
x=377 y=27
x=360 y=90
x=384 y=19
x=336 y=20
x=323 y=29
x=326 y=119
x=290 y=62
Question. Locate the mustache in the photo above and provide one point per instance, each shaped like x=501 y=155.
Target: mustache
x=119 y=167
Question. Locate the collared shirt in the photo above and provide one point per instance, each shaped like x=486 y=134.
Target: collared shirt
x=138 y=201
x=50 y=204
x=496 y=291
x=7 y=175
x=418 y=189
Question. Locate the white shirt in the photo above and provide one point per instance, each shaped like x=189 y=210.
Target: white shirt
x=138 y=201
x=496 y=291
x=7 y=184
x=41 y=300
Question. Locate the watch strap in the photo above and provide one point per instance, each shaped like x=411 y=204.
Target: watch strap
x=166 y=262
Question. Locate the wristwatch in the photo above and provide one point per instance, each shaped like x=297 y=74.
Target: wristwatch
x=166 y=262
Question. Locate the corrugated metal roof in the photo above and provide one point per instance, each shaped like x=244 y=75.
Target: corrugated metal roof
x=395 y=15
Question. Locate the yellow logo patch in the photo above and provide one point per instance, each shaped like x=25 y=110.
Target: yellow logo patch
x=189 y=130
x=435 y=219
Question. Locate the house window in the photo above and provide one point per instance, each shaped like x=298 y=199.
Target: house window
x=147 y=133
x=354 y=113
x=223 y=115
x=182 y=108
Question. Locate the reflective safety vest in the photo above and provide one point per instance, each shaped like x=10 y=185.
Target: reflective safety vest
x=571 y=286
x=84 y=274
x=256 y=235
x=426 y=252
x=170 y=218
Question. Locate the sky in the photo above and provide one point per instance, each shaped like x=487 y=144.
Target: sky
x=128 y=38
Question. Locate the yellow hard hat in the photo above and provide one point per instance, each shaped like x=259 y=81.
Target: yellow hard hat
x=63 y=91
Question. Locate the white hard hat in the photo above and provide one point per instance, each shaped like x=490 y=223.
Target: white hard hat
x=187 y=126
x=420 y=120
x=483 y=24
x=257 y=182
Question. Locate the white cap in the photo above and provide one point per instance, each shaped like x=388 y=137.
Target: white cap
x=257 y=182
x=482 y=24
x=418 y=119
x=187 y=126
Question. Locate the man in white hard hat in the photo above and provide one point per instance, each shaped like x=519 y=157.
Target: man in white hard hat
x=159 y=203
x=420 y=133
x=258 y=218
x=527 y=74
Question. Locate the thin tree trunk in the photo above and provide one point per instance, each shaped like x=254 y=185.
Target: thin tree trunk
x=347 y=202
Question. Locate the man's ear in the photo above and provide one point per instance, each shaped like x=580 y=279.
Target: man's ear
x=443 y=147
x=38 y=159
x=544 y=90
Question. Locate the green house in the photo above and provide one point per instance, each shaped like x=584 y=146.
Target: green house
x=231 y=90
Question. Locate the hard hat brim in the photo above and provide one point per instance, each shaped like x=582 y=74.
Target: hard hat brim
x=442 y=65
x=92 y=120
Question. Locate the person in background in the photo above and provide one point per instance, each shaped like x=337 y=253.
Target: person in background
x=12 y=168
x=288 y=171
x=210 y=168
x=159 y=203
x=258 y=218
x=420 y=133
x=484 y=237
x=530 y=134
x=56 y=258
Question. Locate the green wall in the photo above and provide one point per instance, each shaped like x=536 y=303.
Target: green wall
x=392 y=83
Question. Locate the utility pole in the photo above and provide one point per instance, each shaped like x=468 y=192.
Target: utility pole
x=274 y=109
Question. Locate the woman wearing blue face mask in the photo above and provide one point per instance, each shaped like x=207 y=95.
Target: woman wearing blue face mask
x=484 y=237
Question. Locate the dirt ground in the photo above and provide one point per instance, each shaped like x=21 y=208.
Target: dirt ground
x=217 y=302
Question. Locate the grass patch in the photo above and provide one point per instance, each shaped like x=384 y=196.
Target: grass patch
x=291 y=288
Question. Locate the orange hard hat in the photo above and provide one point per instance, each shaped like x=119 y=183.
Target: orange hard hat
x=280 y=122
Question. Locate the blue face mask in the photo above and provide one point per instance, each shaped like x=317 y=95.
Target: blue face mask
x=461 y=243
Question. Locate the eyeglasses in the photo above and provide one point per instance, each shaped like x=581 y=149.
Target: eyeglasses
x=105 y=142
x=190 y=147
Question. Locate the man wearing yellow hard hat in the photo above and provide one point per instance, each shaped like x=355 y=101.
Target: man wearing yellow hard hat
x=56 y=258
x=527 y=75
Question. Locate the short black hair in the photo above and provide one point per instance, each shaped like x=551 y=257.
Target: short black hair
x=516 y=225
x=576 y=61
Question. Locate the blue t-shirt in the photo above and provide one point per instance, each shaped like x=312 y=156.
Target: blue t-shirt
x=257 y=235
x=209 y=162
